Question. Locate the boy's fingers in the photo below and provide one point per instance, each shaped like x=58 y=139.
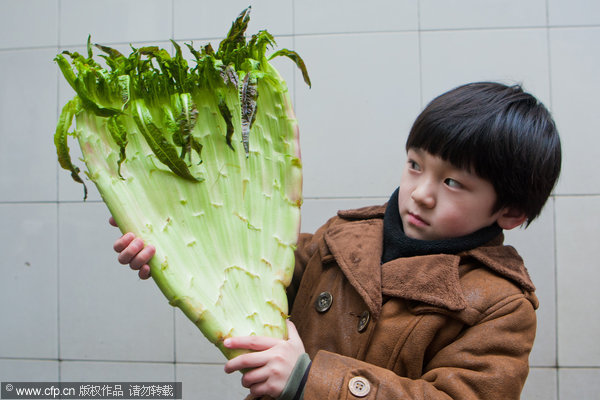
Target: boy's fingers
x=122 y=243
x=254 y=377
x=259 y=390
x=142 y=258
x=144 y=272
x=257 y=343
x=134 y=247
x=112 y=221
x=245 y=361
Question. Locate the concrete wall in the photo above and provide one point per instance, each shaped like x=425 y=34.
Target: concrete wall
x=69 y=311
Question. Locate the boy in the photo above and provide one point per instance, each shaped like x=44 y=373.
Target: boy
x=419 y=299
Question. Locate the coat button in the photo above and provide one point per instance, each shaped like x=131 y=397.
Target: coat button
x=363 y=321
x=359 y=386
x=323 y=302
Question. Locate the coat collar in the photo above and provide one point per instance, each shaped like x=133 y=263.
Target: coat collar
x=356 y=243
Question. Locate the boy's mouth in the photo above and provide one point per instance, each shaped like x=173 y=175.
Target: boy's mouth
x=415 y=219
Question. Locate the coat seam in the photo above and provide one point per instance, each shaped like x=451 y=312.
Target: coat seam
x=501 y=304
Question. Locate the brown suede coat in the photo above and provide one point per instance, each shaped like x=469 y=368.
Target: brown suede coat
x=440 y=326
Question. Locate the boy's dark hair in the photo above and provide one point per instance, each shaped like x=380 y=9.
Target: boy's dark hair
x=499 y=132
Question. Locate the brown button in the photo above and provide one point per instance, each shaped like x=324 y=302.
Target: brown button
x=323 y=302
x=363 y=321
x=359 y=386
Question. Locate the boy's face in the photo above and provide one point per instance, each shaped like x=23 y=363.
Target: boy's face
x=439 y=201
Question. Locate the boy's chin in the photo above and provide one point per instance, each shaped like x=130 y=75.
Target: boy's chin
x=414 y=233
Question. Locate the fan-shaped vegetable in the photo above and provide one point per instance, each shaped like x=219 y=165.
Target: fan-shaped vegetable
x=201 y=161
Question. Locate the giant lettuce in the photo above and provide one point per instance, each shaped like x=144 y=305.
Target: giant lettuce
x=203 y=162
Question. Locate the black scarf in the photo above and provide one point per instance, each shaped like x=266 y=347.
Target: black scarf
x=396 y=244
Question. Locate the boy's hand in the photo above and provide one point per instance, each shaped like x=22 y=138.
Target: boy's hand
x=271 y=364
x=132 y=251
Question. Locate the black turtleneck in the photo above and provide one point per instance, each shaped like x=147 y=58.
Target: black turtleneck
x=396 y=244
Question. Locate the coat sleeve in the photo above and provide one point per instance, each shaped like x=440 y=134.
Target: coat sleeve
x=307 y=245
x=488 y=360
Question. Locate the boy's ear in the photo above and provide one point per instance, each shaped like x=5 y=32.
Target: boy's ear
x=509 y=218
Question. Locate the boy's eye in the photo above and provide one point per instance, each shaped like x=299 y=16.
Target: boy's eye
x=413 y=165
x=452 y=183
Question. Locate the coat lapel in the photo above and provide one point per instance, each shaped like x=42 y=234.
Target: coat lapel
x=505 y=261
x=431 y=279
x=357 y=248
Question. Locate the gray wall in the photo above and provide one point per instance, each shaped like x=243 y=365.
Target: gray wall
x=69 y=311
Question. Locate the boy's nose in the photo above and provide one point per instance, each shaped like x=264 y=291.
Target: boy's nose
x=423 y=194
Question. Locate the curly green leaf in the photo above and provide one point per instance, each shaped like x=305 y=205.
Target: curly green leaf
x=248 y=96
x=186 y=120
x=235 y=39
x=164 y=151
x=226 y=114
x=230 y=77
x=119 y=134
x=60 y=141
x=292 y=55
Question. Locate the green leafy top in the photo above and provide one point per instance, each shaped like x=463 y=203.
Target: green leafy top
x=153 y=75
x=151 y=71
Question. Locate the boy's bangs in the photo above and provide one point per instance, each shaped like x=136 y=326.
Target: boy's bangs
x=461 y=149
